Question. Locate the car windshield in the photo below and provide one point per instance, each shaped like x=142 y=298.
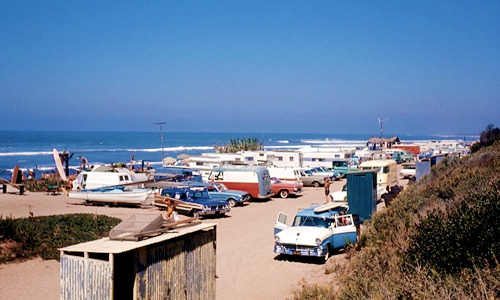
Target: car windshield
x=222 y=187
x=311 y=221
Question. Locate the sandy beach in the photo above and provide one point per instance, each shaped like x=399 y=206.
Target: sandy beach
x=247 y=268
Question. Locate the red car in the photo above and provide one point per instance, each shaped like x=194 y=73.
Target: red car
x=285 y=189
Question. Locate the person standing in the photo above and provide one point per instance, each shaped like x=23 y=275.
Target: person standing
x=327 y=190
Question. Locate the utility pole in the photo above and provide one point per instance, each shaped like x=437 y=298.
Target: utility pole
x=161 y=137
x=380 y=123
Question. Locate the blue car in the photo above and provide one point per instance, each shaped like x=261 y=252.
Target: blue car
x=219 y=191
x=196 y=195
x=316 y=231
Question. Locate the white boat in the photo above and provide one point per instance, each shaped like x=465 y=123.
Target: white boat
x=113 y=195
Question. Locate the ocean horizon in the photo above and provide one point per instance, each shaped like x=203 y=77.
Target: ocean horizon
x=33 y=149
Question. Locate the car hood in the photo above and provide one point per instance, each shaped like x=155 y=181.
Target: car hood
x=303 y=235
x=234 y=192
x=209 y=202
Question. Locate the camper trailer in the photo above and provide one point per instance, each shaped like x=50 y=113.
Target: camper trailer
x=285 y=174
x=252 y=179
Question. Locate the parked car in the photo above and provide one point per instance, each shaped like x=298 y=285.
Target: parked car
x=197 y=195
x=316 y=231
x=340 y=195
x=408 y=171
x=285 y=189
x=402 y=156
x=342 y=167
x=323 y=171
x=308 y=179
x=189 y=174
x=219 y=191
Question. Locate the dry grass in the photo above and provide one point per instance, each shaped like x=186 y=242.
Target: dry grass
x=439 y=239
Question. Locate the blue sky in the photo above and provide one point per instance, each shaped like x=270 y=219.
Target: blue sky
x=428 y=67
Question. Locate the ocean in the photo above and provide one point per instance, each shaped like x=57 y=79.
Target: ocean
x=33 y=149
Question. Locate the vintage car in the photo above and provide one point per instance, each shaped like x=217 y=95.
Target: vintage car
x=408 y=171
x=196 y=195
x=342 y=166
x=316 y=231
x=401 y=156
x=308 y=179
x=340 y=195
x=285 y=189
x=323 y=171
x=219 y=191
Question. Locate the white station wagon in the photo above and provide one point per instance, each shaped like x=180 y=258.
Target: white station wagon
x=316 y=231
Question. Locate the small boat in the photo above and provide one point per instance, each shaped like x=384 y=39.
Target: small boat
x=113 y=195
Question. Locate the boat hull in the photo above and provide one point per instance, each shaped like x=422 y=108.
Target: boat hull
x=118 y=196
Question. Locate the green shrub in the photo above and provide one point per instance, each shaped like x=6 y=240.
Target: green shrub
x=467 y=236
x=42 y=236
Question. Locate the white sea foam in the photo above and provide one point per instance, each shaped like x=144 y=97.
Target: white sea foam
x=334 y=142
x=26 y=153
x=284 y=147
x=171 y=149
x=168 y=149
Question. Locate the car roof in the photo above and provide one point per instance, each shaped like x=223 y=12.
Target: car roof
x=309 y=212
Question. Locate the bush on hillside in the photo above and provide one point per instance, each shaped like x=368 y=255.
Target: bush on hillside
x=487 y=138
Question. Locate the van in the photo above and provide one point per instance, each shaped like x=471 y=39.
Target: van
x=387 y=171
x=254 y=180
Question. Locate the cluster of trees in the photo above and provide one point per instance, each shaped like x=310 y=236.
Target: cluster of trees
x=235 y=145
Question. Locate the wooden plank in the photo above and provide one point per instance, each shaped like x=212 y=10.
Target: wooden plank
x=17 y=186
x=15 y=174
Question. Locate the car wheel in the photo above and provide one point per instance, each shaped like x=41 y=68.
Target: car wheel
x=315 y=184
x=232 y=202
x=284 y=194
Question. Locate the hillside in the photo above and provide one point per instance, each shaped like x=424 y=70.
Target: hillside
x=439 y=239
